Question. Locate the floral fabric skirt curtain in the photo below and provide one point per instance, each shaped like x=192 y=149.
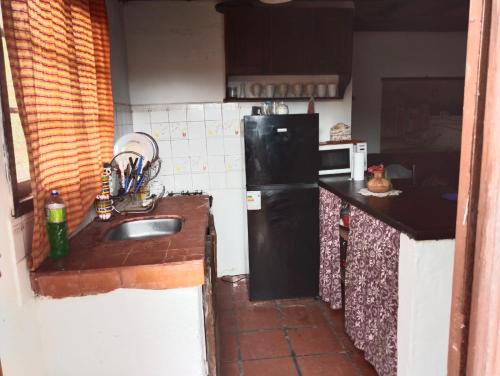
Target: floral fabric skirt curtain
x=329 y=271
x=371 y=296
x=59 y=55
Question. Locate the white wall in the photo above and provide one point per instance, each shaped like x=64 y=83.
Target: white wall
x=20 y=345
x=425 y=287
x=175 y=52
x=124 y=332
x=119 y=64
x=119 y=68
x=388 y=54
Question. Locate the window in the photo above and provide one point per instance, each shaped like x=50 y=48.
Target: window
x=15 y=144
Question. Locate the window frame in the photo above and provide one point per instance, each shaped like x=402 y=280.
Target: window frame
x=21 y=192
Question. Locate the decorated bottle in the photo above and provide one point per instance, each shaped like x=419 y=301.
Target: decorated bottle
x=57 y=229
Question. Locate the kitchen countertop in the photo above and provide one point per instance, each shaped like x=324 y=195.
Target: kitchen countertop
x=419 y=212
x=94 y=265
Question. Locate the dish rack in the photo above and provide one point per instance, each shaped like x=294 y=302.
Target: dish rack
x=133 y=194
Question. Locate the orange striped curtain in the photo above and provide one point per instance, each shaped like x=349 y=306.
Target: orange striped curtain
x=59 y=54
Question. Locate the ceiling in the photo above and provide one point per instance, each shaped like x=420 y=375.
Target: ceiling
x=390 y=15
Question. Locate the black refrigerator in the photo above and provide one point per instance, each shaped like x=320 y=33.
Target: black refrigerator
x=281 y=160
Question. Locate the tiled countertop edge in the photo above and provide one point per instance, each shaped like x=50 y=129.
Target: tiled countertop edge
x=171 y=275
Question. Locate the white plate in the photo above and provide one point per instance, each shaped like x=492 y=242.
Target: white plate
x=138 y=142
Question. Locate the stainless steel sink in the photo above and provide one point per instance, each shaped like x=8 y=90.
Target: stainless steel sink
x=144 y=229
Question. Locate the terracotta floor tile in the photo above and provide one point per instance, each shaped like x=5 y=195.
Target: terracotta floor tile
x=364 y=366
x=345 y=340
x=327 y=365
x=263 y=345
x=314 y=341
x=227 y=322
x=228 y=347
x=270 y=367
x=305 y=315
x=229 y=369
x=245 y=303
x=224 y=288
x=296 y=302
x=224 y=302
x=266 y=352
x=255 y=318
x=336 y=317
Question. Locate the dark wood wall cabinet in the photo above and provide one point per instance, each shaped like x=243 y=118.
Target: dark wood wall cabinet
x=288 y=40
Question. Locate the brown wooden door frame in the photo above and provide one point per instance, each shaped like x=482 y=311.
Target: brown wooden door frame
x=475 y=313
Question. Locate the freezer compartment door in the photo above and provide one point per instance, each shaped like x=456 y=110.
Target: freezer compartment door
x=281 y=149
x=284 y=244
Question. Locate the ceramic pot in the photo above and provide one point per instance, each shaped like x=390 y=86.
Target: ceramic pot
x=270 y=89
x=256 y=90
x=379 y=184
x=282 y=90
x=332 y=90
x=310 y=90
x=321 y=90
x=297 y=90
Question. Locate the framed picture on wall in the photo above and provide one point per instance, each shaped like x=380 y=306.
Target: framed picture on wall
x=421 y=114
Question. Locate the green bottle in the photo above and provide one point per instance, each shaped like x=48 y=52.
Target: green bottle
x=57 y=228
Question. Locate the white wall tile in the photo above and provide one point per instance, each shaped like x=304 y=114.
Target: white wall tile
x=233 y=162
x=127 y=118
x=245 y=110
x=229 y=211
x=232 y=146
x=160 y=131
x=232 y=127
x=217 y=180
x=167 y=167
x=213 y=111
x=165 y=149
x=177 y=113
x=195 y=112
x=216 y=163
x=199 y=164
x=141 y=127
x=159 y=116
x=201 y=182
x=234 y=179
x=230 y=111
x=183 y=182
x=141 y=118
x=167 y=182
x=215 y=146
x=180 y=148
x=198 y=147
x=214 y=128
x=196 y=130
x=178 y=131
x=181 y=166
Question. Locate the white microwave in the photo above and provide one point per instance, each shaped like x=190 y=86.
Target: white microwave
x=337 y=157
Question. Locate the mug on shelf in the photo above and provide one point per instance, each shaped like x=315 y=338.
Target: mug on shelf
x=321 y=90
x=270 y=89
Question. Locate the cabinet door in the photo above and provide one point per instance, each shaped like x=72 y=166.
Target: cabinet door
x=292 y=39
x=333 y=39
x=247 y=41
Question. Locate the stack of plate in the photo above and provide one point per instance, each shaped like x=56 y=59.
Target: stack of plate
x=140 y=143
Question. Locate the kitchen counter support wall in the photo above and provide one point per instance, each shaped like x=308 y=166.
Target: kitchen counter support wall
x=125 y=332
x=425 y=283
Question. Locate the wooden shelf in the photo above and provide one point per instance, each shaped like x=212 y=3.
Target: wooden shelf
x=287 y=99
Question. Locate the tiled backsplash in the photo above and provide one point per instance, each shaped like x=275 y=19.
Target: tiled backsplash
x=201 y=145
x=123 y=119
